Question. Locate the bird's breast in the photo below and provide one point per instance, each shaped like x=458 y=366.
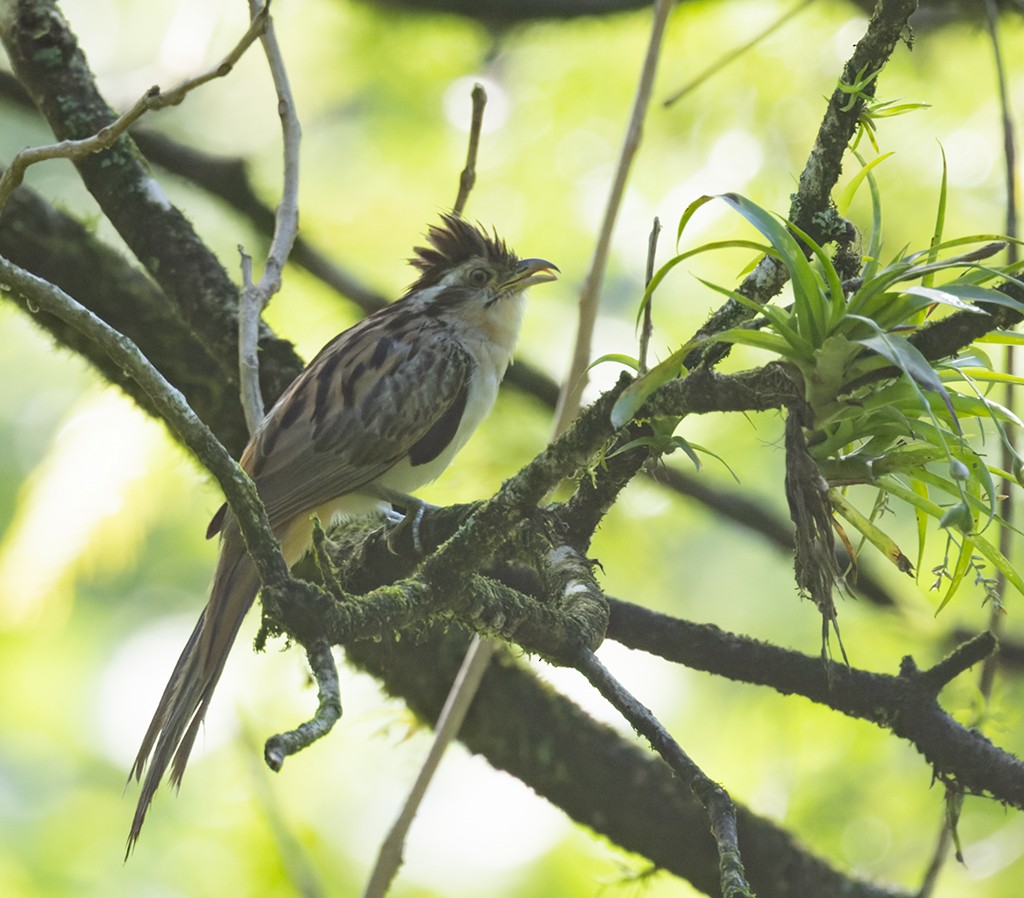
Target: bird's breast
x=407 y=476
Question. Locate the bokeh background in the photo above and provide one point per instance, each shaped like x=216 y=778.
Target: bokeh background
x=103 y=566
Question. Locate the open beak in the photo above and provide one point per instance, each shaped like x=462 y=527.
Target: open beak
x=529 y=272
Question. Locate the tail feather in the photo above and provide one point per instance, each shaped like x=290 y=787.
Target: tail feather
x=186 y=698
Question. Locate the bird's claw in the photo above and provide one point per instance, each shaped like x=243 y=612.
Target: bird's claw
x=401 y=521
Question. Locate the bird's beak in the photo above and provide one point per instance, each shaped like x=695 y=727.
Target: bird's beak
x=528 y=272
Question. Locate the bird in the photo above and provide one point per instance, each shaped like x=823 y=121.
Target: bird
x=380 y=411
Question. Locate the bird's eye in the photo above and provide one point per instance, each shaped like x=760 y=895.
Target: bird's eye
x=479 y=277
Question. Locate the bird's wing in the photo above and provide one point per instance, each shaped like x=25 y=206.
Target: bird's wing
x=374 y=395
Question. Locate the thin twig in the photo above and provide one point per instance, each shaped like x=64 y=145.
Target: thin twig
x=576 y=379
x=716 y=801
x=990 y=664
x=249 y=310
x=1008 y=452
x=463 y=690
x=1009 y=142
x=647 y=327
x=938 y=860
x=170 y=405
x=468 y=177
x=152 y=100
x=328 y=709
x=732 y=55
x=256 y=297
x=460 y=697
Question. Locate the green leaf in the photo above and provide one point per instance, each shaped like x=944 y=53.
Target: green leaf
x=662 y=272
x=677 y=442
x=874 y=245
x=874 y=534
x=940 y=220
x=759 y=340
x=945 y=297
x=908 y=358
x=688 y=214
x=845 y=198
x=974 y=504
x=970 y=293
x=963 y=565
x=871 y=298
x=835 y=295
x=983 y=407
x=831 y=370
x=873 y=292
x=1002 y=338
x=635 y=395
x=618 y=358
x=891 y=485
x=807 y=304
x=716 y=457
x=779 y=319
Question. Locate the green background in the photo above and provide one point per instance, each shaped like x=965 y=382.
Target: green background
x=103 y=566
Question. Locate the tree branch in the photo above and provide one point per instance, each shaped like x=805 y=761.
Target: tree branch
x=616 y=787
x=468 y=177
x=328 y=710
x=152 y=100
x=576 y=379
x=256 y=297
x=812 y=209
x=711 y=795
x=171 y=406
x=47 y=60
x=905 y=704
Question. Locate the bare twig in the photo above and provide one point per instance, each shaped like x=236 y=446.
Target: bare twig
x=811 y=208
x=328 y=710
x=463 y=690
x=647 y=327
x=171 y=405
x=249 y=311
x=732 y=55
x=460 y=697
x=152 y=100
x=716 y=801
x=468 y=177
x=256 y=297
x=990 y=665
x=1009 y=143
x=1008 y=449
x=576 y=379
x=937 y=861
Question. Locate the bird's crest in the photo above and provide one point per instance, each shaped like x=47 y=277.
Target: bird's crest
x=453 y=242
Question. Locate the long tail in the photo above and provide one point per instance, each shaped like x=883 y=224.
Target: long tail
x=172 y=732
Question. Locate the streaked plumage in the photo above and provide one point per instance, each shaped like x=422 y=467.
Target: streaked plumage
x=383 y=407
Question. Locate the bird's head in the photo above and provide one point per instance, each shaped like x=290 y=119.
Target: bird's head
x=466 y=257
x=472 y=278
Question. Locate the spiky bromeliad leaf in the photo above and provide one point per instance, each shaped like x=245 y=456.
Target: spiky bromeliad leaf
x=936 y=512
x=809 y=308
x=907 y=357
x=634 y=396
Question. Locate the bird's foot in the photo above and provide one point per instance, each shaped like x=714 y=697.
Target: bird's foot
x=414 y=511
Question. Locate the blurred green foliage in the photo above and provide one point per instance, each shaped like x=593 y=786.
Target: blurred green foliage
x=103 y=565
